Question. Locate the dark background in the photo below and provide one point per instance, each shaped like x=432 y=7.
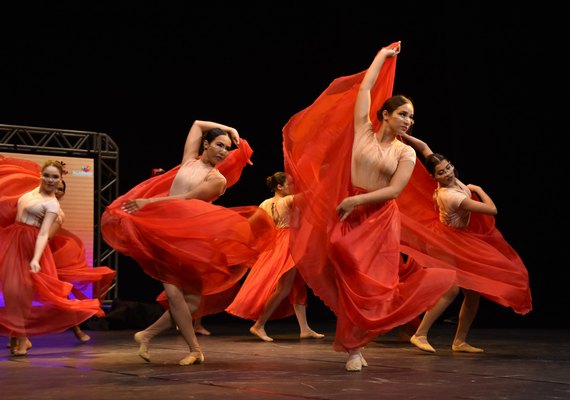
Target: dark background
x=489 y=86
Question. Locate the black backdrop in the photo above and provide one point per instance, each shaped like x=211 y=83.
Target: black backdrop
x=489 y=87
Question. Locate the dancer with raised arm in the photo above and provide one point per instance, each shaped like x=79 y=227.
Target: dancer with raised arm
x=170 y=227
x=350 y=167
x=458 y=234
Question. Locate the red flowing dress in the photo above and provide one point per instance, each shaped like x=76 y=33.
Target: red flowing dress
x=482 y=258
x=32 y=303
x=264 y=275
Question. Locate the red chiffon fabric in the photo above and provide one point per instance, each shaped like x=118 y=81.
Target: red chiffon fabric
x=482 y=258
x=17 y=176
x=262 y=280
x=68 y=253
x=34 y=303
x=352 y=266
x=198 y=246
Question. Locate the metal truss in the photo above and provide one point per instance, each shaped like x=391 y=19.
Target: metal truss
x=98 y=146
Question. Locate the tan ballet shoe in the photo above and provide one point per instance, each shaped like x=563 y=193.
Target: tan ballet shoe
x=260 y=333
x=422 y=343
x=311 y=334
x=193 y=358
x=466 y=348
x=22 y=347
x=143 y=346
x=363 y=361
x=354 y=362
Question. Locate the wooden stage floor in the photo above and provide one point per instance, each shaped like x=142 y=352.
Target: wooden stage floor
x=517 y=364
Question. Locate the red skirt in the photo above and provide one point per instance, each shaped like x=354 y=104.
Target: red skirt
x=35 y=303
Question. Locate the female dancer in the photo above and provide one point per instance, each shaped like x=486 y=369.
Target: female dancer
x=460 y=236
x=350 y=169
x=36 y=301
x=274 y=277
x=192 y=246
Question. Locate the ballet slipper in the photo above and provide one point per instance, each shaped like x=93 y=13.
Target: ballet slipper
x=143 y=346
x=422 y=343
x=363 y=361
x=260 y=333
x=22 y=348
x=195 y=357
x=14 y=344
x=311 y=334
x=202 y=331
x=80 y=335
x=354 y=362
x=466 y=348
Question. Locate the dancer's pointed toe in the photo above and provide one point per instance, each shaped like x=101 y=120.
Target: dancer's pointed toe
x=422 y=343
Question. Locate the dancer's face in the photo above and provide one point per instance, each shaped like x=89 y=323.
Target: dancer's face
x=50 y=178
x=60 y=191
x=218 y=149
x=444 y=173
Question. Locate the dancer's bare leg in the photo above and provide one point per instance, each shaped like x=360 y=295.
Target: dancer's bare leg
x=162 y=324
x=466 y=317
x=183 y=318
x=306 y=331
x=143 y=338
x=419 y=339
x=281 y=291
x=193 y=301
